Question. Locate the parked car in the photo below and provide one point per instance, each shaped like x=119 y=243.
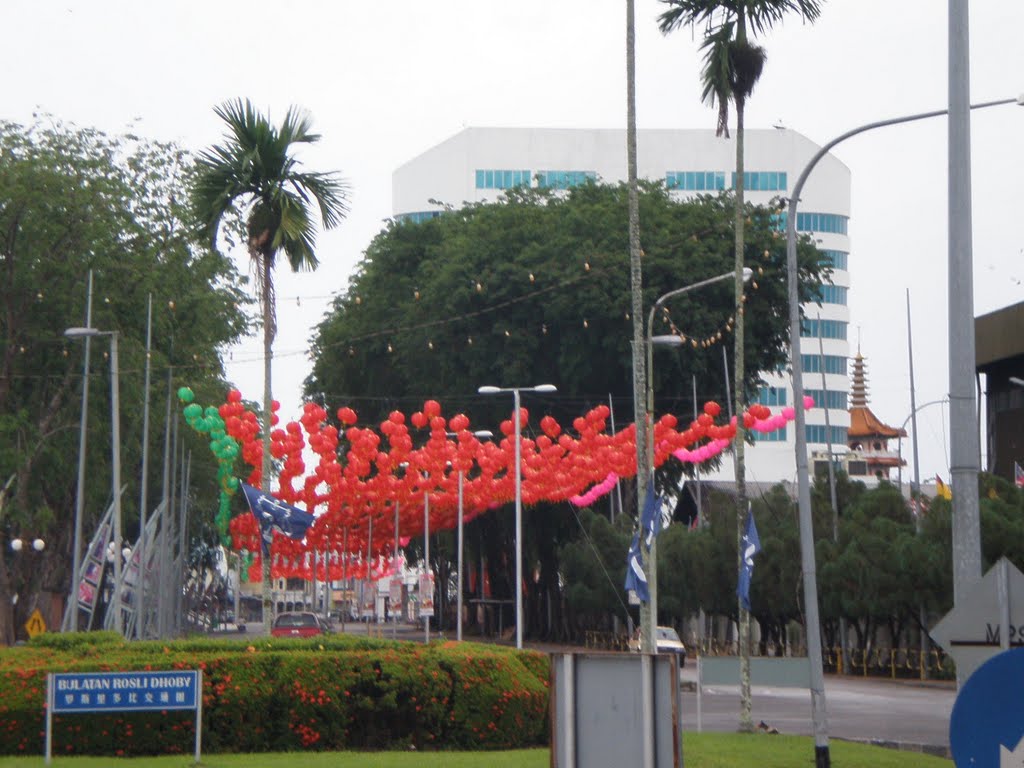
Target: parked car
x=298 y=624
x=666 y=640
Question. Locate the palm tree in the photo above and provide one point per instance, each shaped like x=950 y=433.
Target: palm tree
x=732 y=67
x=254 y=175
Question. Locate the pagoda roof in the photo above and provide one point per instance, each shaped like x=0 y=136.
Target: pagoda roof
x=864 y=423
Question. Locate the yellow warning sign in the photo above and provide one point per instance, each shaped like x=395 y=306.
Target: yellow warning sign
x=35 y=624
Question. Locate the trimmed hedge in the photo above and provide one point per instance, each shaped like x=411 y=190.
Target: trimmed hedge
x=261 y=694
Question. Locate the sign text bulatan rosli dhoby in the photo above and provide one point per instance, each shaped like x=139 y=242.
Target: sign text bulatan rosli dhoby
x=76 y=692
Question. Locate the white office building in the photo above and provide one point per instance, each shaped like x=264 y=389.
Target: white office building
x=477 y=164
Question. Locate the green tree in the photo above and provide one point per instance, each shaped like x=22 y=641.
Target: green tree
x=74 y=200
x=732 y=66
x=254 y=173
x=537 y=288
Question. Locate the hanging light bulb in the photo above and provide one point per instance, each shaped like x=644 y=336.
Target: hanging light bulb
x=532 y=278
x=390 y=348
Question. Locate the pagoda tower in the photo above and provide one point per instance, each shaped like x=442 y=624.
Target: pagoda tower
x=868 y=436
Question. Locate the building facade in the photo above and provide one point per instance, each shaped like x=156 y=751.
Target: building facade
x=478 y=164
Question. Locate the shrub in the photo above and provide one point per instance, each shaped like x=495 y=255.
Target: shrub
x=262 y=694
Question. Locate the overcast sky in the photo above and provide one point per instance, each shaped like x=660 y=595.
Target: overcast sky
x=386 y=80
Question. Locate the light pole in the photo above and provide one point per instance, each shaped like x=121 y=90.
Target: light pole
x=645 y=450
x=17 y=545
x=485 y=434
x=76 y=556
x=915 y=486
x=488 y=390
x=115 y=454
x=803 y=486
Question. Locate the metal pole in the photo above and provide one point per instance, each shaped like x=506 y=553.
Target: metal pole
x=115 y=437
x=426 y=560
x=519 y=522
x=397 y=610
x=963 y=425
x=458 y=590
x=76 y=560
x=369 y=572
x=637 y=304
x=618 y=486
x=804 y=496
x=832 y=486
x=140 y=616
x=649 y=628
x=344 y=572
x=696 y=467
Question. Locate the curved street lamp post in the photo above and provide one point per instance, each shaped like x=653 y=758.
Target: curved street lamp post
x=803 y=487
x=645 y=449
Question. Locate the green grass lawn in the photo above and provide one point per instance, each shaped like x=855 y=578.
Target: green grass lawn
x=701 y=750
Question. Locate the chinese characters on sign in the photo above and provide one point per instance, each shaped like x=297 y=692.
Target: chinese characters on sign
x=99 y=691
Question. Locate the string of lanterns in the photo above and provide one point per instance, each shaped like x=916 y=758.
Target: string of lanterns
x=385 y=468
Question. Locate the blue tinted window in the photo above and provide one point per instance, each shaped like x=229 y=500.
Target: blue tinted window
x=815 y=222
x=830 y=398
x=416 y=217
x=762 y=181
x=829 y=329
x=816 y=434
x=695 y=181
x=566 y=179
x=501 y=179
x=833 y=364
x=832 y=294
x=772 y=396
x=775 y=436
x=838 y=259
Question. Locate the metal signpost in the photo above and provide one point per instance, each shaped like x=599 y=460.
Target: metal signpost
x=70 y=693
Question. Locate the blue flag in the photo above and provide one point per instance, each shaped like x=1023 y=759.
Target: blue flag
x=650 y=520
x=750 y=546
x=636 y=580
x=274 y=515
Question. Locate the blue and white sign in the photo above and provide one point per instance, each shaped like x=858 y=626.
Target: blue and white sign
x=125 y=691
x=986 y=728
x=71 y=692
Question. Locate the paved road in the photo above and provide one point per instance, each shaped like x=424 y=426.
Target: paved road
x=858 y=709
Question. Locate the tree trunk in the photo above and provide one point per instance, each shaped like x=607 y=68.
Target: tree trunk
x=268 y=344
x=746 y=720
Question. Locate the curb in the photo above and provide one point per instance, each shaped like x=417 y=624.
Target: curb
x=936 y=750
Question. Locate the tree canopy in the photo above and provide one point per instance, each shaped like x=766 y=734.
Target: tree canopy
x=536 y=289
x=74 y=200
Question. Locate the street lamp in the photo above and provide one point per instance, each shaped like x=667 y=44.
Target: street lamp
x=489 y=390
x=485 y=434
x=915 y=485
x=115 y=453
x=645 y=448
x=962 y=430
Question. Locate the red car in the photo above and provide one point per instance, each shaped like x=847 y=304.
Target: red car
x=298 y=624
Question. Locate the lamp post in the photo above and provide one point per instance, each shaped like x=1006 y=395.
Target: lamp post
x=645 y=450
x=17 y=545
x=961 y=430
x=115 y=454
x=76 y=555
x=486 y=434
x=489 y=390
x=915 y=485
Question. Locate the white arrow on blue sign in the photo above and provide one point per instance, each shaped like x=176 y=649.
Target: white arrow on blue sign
x=986 y=728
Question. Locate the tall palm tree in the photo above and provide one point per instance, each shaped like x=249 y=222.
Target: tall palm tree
x=254 y=175
x=732 y=66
